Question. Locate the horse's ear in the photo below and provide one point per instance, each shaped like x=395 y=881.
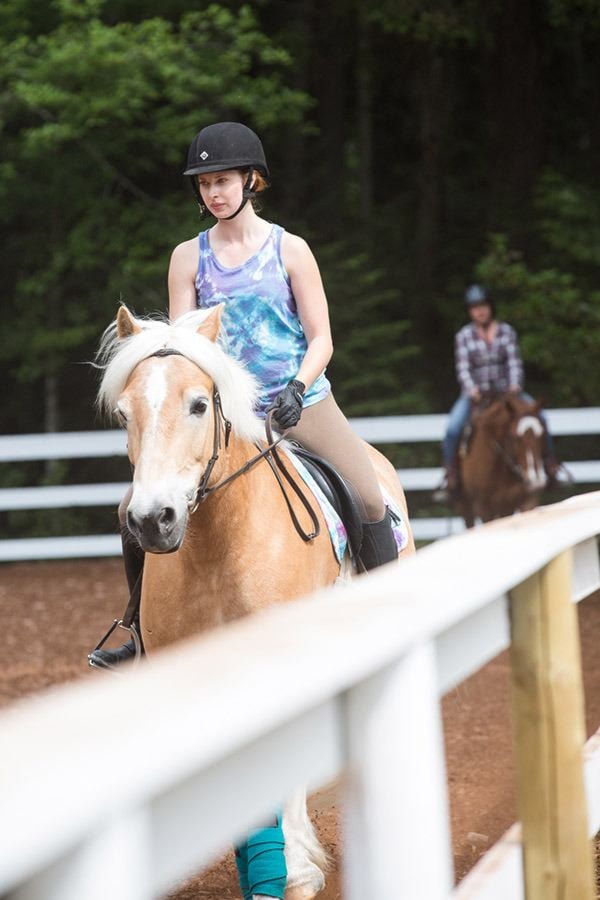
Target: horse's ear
x=211 y=325
x=126 y=324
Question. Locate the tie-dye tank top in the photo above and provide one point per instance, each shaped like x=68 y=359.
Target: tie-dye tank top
x=260 y=318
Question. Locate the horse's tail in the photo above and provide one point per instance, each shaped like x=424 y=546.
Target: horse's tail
x=300 y=833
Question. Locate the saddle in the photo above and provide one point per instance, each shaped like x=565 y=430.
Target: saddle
x=337 y=491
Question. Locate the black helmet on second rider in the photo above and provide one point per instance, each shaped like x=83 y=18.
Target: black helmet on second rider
x=477 y=295
x=226 y=145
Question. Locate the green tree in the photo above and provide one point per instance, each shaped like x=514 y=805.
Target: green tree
x=558 y=321
x=95 y=120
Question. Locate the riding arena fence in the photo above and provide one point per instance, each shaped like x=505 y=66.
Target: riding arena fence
x=96 y=444
x=119 y=786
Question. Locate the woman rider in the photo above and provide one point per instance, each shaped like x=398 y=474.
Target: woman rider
x=488 y=362
x=275 y=319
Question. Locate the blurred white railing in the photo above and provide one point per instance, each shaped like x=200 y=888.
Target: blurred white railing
x=119 y=787
x=97 y=444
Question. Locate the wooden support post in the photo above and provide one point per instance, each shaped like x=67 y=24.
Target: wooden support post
x=550 y=735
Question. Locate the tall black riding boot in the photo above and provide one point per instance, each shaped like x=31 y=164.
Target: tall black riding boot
x=379 y=544
x=133 y=560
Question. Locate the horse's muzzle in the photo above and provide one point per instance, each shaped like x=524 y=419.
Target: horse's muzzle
x=157 y=531
x=536 y=482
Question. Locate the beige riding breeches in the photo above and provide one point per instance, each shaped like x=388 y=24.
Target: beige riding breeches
x=324 y=430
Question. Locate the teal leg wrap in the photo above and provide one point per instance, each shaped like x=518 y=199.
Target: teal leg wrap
x=261 y=863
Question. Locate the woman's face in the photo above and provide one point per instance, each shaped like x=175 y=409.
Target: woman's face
x=221 y=191
x=481 y=313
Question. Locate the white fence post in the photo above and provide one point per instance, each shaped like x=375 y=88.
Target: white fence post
x=397 y=841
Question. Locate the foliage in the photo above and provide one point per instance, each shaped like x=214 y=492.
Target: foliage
x=557 y=320
x=95 y=122
x=438 y=23
x=375 y=360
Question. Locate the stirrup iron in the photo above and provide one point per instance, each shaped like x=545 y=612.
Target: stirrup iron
x=133 y=634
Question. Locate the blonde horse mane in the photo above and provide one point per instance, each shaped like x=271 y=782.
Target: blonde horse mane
x=118 y=357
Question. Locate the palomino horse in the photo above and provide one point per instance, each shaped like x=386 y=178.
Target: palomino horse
x=188 y=410
x=503 y=468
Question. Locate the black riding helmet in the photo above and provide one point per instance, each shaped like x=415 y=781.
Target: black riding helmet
x=226 y=145
x=477 y=295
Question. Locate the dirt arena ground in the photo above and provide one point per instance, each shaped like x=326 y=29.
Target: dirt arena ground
x=53 y=613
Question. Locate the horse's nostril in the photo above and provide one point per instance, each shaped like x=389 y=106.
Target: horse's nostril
x=131 y=521
x=167 y=516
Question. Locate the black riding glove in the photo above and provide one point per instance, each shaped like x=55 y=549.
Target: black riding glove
x=287 y=405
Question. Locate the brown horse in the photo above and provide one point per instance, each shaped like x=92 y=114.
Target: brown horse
x=188 y=410
x=502 y=470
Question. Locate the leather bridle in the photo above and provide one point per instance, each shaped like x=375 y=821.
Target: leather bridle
x=268 y=453
x=509 y=460
x=511 y=463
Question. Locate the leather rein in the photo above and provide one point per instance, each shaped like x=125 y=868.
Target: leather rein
x=268 y=453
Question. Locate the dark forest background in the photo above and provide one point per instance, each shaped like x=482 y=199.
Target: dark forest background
x=416 y=145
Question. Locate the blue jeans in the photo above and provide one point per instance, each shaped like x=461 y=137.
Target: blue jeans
x=458 y=419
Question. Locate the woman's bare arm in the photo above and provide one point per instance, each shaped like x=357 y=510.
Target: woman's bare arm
x=181 y=279
x=308 y=291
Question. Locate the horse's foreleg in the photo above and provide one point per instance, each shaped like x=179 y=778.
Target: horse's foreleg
x=305 y=858
x=530 y=502
x=465 y=508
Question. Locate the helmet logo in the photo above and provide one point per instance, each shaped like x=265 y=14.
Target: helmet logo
x=204 y=155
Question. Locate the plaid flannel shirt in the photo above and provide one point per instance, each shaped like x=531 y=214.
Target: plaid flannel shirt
x=490 y=367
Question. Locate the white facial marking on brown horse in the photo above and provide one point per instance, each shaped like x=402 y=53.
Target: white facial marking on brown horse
x=535 y=474
x=529 y=423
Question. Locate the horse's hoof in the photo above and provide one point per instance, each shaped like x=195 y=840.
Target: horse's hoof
x=301 y=892
x=308 y=889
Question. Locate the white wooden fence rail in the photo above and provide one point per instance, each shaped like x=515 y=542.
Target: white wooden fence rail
x=97 y=444
x=121 y=786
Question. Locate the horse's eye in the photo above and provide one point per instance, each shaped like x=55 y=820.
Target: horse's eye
x=199 y=407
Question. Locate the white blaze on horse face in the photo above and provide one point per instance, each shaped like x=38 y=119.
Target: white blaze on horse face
x=160 y=480
x=530 y=423
x=535 y=476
